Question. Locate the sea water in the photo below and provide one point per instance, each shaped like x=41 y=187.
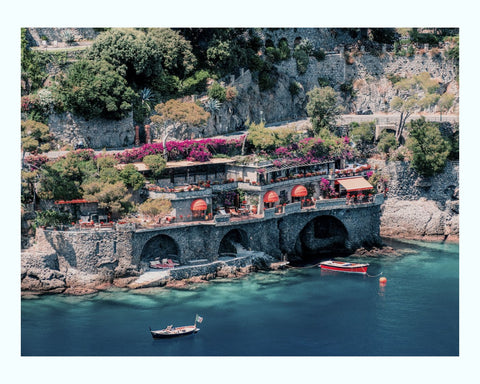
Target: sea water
x=294 y=312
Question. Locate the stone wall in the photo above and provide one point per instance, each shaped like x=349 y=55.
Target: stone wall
x=94 y=133
x=368 y=74
x=419 y=207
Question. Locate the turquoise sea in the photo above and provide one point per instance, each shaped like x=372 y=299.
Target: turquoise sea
x=295 y=312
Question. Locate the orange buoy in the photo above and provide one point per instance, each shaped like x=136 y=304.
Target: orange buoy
x=383 y=280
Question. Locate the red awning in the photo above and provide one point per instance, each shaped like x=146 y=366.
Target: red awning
x=198 y=205
x=299 y=191
x=270 y=197
x=352 y=184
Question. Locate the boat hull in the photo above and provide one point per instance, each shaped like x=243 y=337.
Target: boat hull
x=175 y=332
x=344 y=267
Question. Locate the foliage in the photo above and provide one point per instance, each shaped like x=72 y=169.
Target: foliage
x=95 y=89
x=217 y=91
x=143 y=105
x=176 y=112
x=362 y=135
x=36 y=137
x=52 y=218
x=212 y=105
x=156 y=164
x=378 y=181
x=54 y=185
x=132 y=52
x=195 y=84
x=181 y=150
x=112 y=197
x=382 y=35
x=131 y=177
x=301 y=58
x=386 y=141
x=446 y=102
x=322 y=108
x=231 y=93
x=267 y=76
x=62 y=179
x=174 y=50
x=294 y=88
x=33 y=67
x=260 y=137
x=28 y=179
x=155 y=208
x=414 y=93
x=429 y=149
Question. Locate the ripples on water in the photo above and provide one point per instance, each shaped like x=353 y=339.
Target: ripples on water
x=296 y=312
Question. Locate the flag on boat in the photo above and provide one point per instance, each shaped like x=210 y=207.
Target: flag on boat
x=198 y=319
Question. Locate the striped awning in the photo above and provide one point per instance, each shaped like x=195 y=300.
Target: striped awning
x=352 y=184
x=299 y=191
x=270 y=197
x=198 y=205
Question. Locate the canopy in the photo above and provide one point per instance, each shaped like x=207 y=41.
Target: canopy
x=198 y=205
x=352 y=184
x=270 y=197
x=299 y=191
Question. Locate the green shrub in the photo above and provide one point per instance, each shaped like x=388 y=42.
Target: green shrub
x=217 y=91
x=52 y=218
x=386 y=142
x=302 y=59
x=196 y=83
x=319 y=54
x=429 y=149
x=156 y=164
x=323 y=82
x=294 y=88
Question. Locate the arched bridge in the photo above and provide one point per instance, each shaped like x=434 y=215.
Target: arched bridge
x=331 y=226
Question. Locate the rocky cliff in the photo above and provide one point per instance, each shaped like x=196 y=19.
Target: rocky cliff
x=418 y=207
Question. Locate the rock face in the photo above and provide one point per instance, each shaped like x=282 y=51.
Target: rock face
x=419 y=207
x=95 y=133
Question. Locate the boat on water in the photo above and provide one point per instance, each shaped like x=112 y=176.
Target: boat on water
x=163 y=264
x=343 y=266
x=172 y=331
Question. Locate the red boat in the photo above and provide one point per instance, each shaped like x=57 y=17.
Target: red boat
x=343 y=266
x=165 y=263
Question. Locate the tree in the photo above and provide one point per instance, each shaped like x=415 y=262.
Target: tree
x=155 y=208
x=445 y=103
x=33 y=73
x=131 y=177
x=132 y=51
x=173 y=113
x=36 y=137
x=112 y=197
x=175 y=51
x=387 y=141
x=362 y=135
x=95 y=89
x=217 y=91
x=156 y=164
x=322 y=107
x=415 y=93
x=429 y=149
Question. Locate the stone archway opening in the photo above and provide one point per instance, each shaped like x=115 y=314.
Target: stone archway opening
x=234 y=241
x=320 y=237
x=160 y=247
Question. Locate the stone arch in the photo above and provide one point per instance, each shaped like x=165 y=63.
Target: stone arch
x=323 y=234
x=233 y=241
x=159 y=247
